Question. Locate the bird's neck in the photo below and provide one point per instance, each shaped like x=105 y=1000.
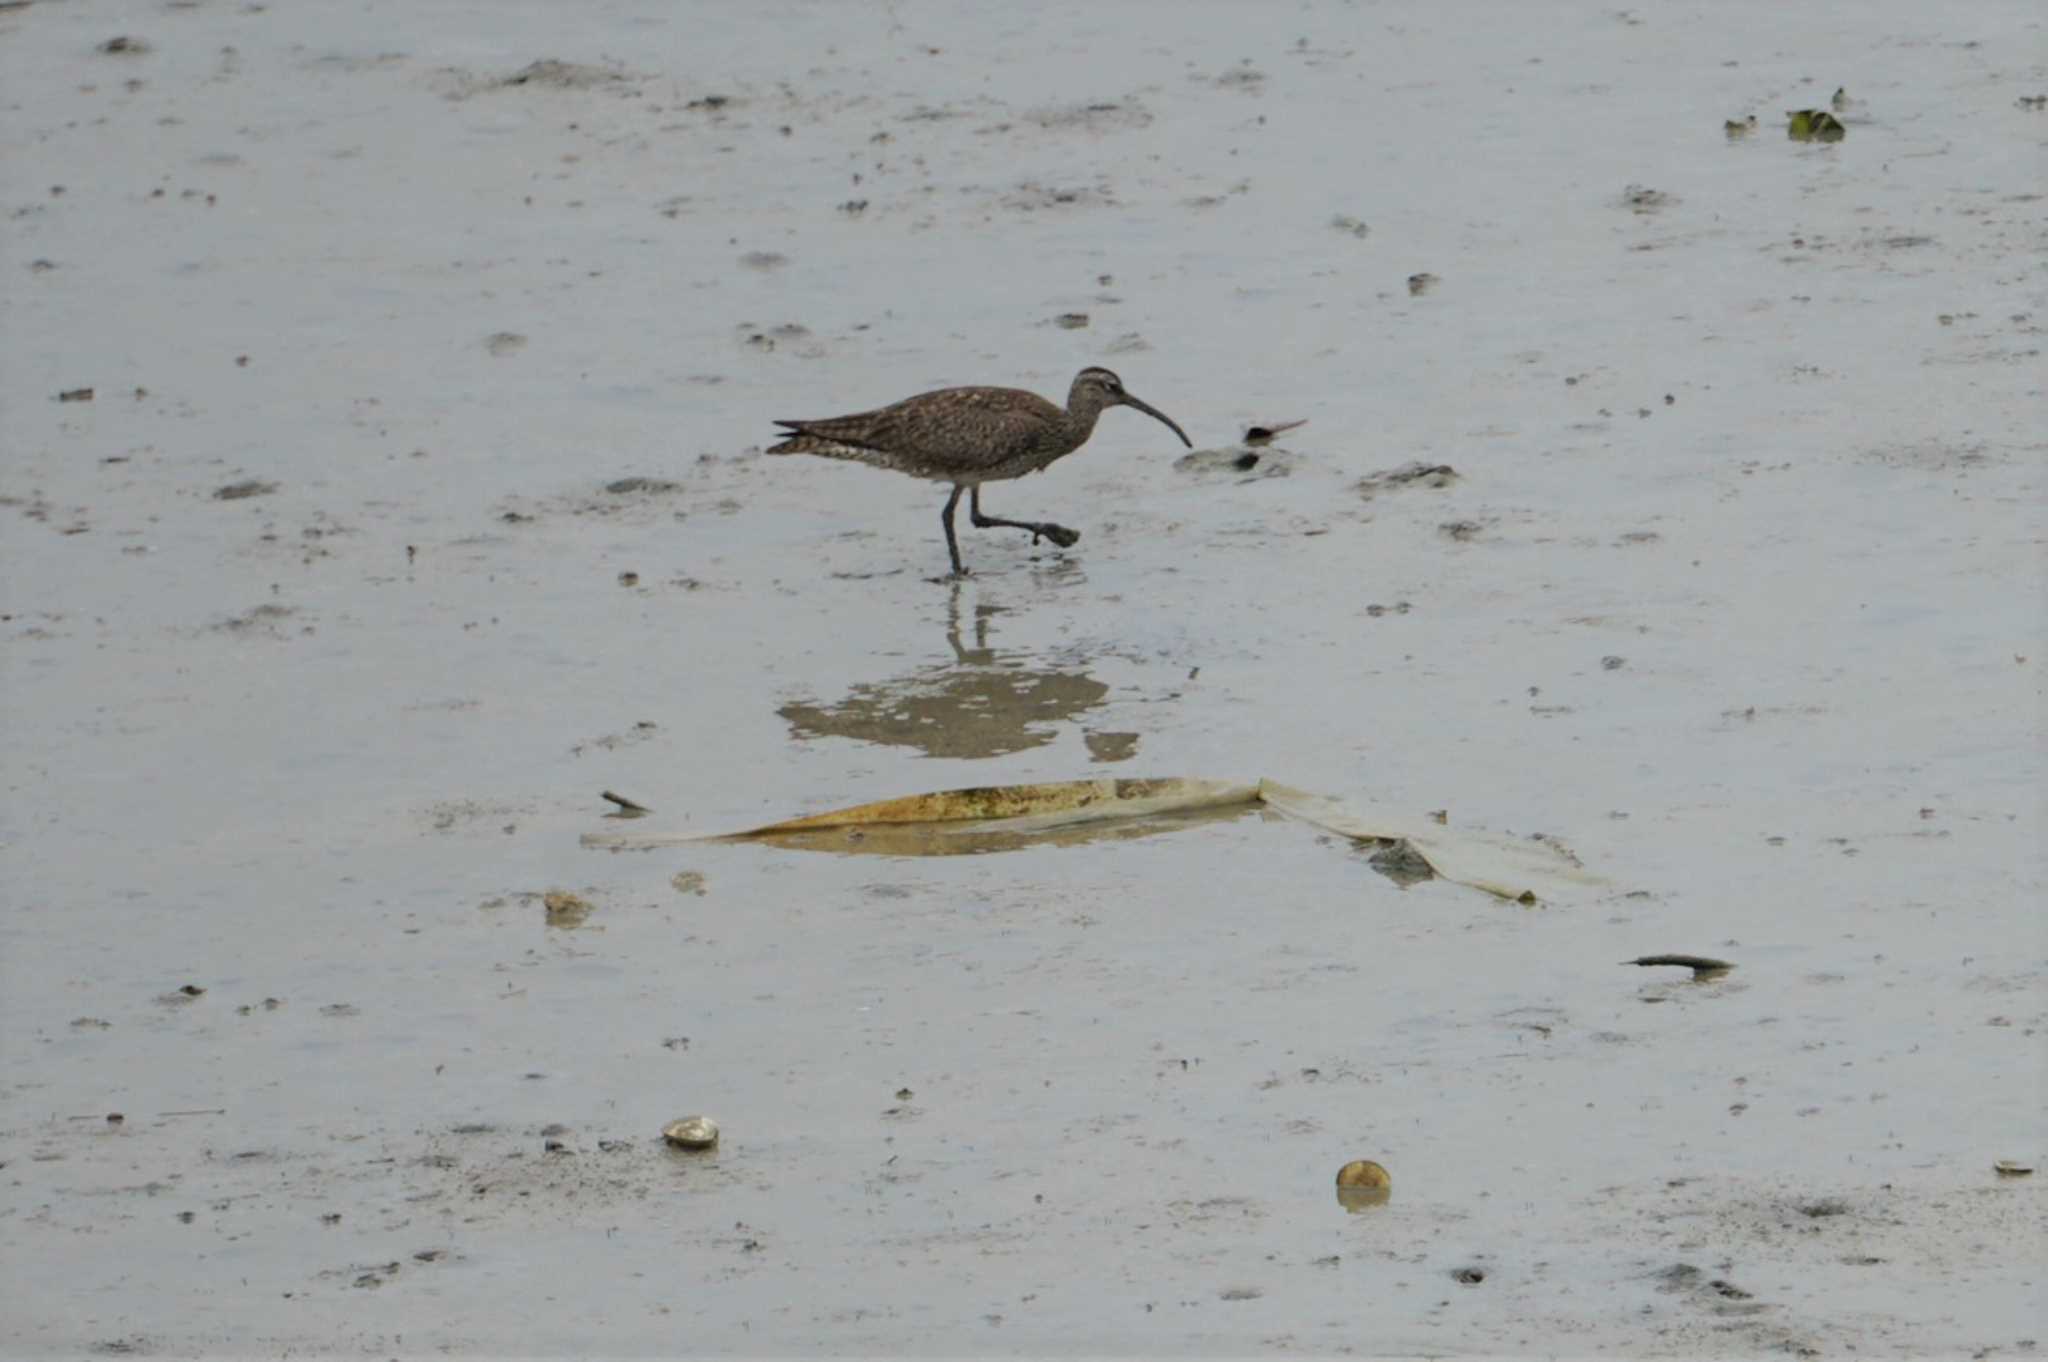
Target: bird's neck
x=1083 y=406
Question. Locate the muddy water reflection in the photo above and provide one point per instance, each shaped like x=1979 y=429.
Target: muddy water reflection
x=982 y=702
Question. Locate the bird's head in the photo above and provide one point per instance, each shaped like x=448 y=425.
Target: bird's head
x=1095 y=389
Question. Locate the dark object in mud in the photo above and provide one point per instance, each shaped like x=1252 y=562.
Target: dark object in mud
x=623 y=487
x=1419 y=284
x=1739 y=127
x=565 y=909
x=626 y=806
x=1407 y=475
x=1814 y=125
x=1402 y=863
x=248 y=487
x=1235 y=459
x=968 y=436
x=2005 y=1168
x=1468 y=1276
x=1263 y=435
x=124 y=46
x=75 y=395
x=1071 y=321
x=1461 y=530
x=1702 y=967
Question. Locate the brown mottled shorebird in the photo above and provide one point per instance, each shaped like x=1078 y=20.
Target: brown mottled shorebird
x=968 y=436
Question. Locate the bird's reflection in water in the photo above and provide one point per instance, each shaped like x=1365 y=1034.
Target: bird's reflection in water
x=983 y=702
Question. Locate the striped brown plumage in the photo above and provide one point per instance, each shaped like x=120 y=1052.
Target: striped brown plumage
x=968 y=436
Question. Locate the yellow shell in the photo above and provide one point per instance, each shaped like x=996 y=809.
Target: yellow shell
x=1362 y=1184
x=692 y=1132
x=1363 y=1173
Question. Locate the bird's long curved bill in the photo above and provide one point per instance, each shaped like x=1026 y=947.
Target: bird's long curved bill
x=1160 y=416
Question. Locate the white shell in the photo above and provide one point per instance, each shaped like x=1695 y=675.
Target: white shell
x=692 y=1132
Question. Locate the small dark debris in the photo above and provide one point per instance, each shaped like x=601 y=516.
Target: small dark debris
x=1407 y=475
x=649 y=486
x=1702 y=967
x=187 y=1217
x=1814 y=125
x=1402 y=863
x=1246 y=462
x=331 y=1218
x=1613 y=662
x=1823 y=1209
x=625 y=805
x=1643 y=199
x=124 y=46
x=1729 y=1290
x=429 y=1255
x=709 y=102
x=1468 y=1276
x=1679 y=1277
x=853 y=208
x=1461 y=530
x=75 y=395
x=115 y=1118
x=1071 y=321
x=1264 y=435
x=248 y=487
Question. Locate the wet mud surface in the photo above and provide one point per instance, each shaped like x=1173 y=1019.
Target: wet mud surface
x=384 y=399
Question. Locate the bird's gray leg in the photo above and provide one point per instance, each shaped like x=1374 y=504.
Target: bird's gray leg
x=1059 y=534
x=946 y=519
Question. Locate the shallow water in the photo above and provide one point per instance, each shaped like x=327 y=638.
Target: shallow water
x=1736 y=591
